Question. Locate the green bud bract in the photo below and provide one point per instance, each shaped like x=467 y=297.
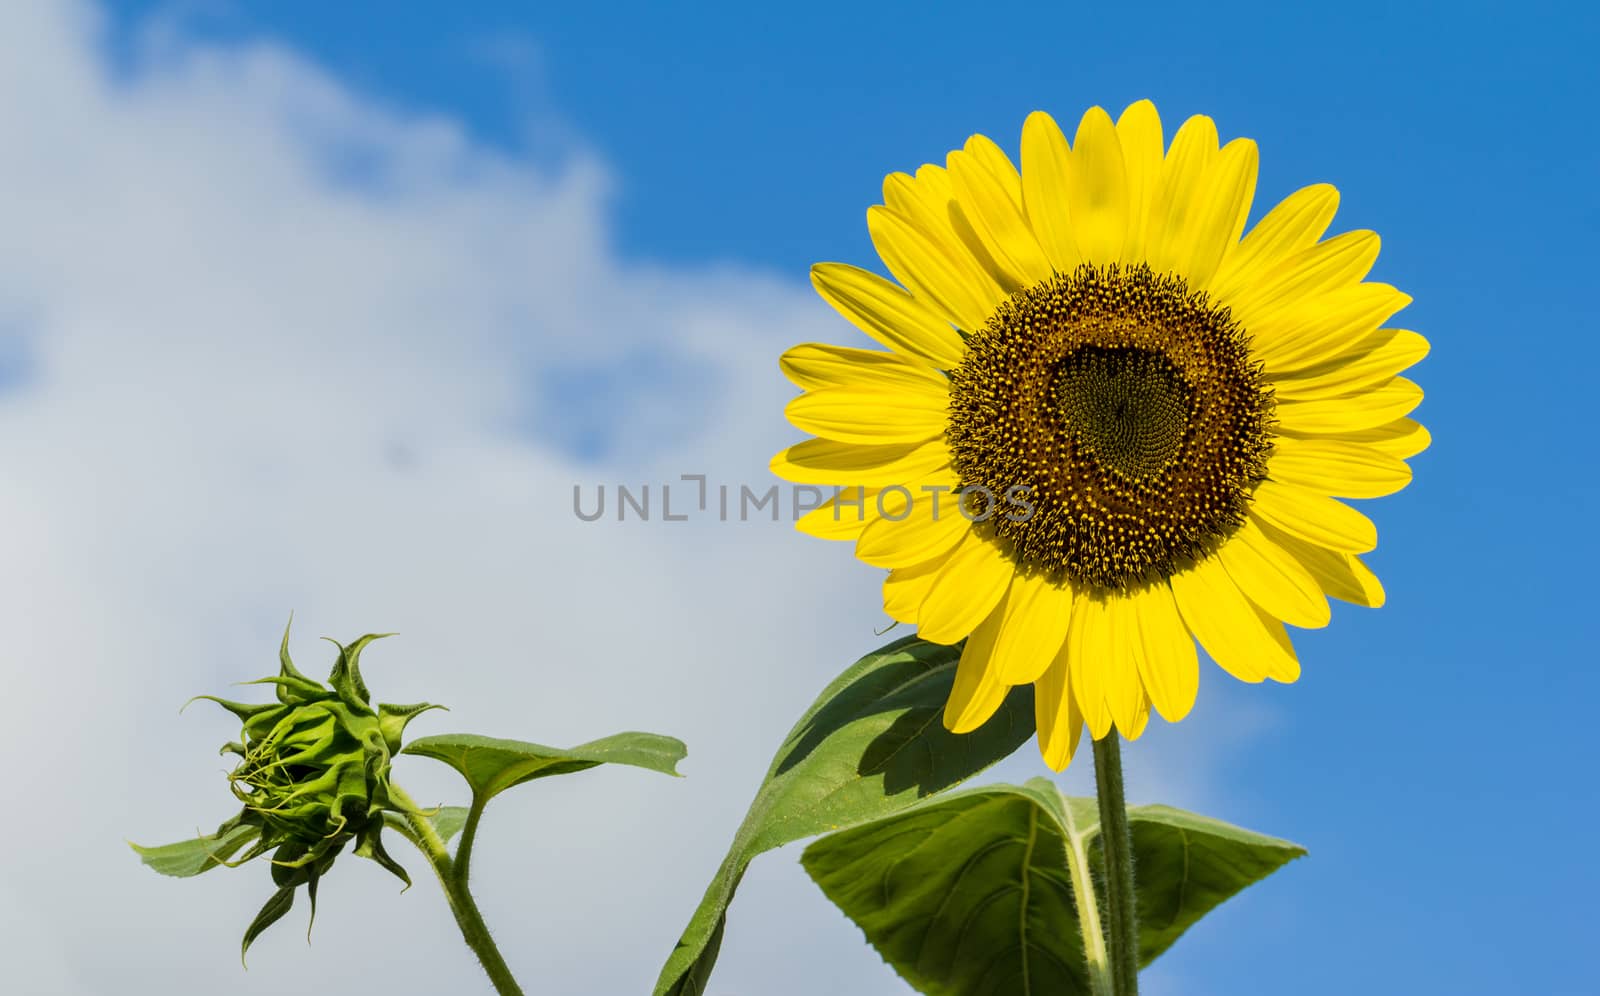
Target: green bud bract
x=312 y=776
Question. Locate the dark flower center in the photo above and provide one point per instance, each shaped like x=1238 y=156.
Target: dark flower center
x=1128 y=408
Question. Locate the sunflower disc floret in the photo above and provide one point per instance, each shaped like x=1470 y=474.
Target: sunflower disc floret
x=1127 y=408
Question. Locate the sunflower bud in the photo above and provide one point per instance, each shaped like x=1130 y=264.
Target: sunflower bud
x=312 y=776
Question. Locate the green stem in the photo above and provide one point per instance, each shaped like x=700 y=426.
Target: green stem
x=469 y=835
x=1117 y=846
x=454 y=880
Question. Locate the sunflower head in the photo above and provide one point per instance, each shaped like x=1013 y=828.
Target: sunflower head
x=313 y=768
x=1149 y=416
x=1129 y=409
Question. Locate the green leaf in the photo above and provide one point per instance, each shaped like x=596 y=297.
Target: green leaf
x=447 y=822
x=978 y=891
x=491 y=766
x=971 y=893
x=1186 y=865
x=873 y=743
x=280 y=903
x=191 y=857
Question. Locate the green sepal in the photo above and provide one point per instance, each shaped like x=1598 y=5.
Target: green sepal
x=346 y=676
x=369 y=844
x=244 y=711
x=260 y=847
x=294 y=862
x=280 y=903
x=393 y=719
x=311 y=897
x=286 y=666
x=291 y=691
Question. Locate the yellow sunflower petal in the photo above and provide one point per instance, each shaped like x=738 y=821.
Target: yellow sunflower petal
x=1139 y=720
x=910 y=532
x=826 y=461
x=944 y=276
x=1124 y=690
x=1036 y=617
x=1341 y=575
x=1385 y=403
x=907 y=587
x=1390 y=352
x=1088 y=639
x=928 y=201
x=1180 y=195
x=1369 y=591
x=997 y=219
x=1313 y=517
x=937 y=182
x=1403 y=438
x=1097 y=189
x=871 y=415
x=1335 y=467
x=1239 y=637
x=889 y=314
x=1195 y=243
x=1139 y=133
x=977 y=691
x=991 y=157
x=1168 y=664
x=1341 y=261
x=813 y=365
x=1273 y=579
x=841 y=517
x=968 y=587
x=1295 y=224
x=928 y=193
x=1319 y=329
x=927 y=204
x=1056 y=714
x=1045 y=159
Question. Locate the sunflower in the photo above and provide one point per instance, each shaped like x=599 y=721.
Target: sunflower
x=1107 y=426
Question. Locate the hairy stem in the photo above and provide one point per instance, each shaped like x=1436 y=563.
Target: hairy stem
x=469 y=835
x=454 y=880
x=1117 y=846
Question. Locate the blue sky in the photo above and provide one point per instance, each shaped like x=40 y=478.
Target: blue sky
x=1436 y=757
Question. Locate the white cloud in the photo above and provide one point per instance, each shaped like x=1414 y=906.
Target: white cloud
x=288 y=348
